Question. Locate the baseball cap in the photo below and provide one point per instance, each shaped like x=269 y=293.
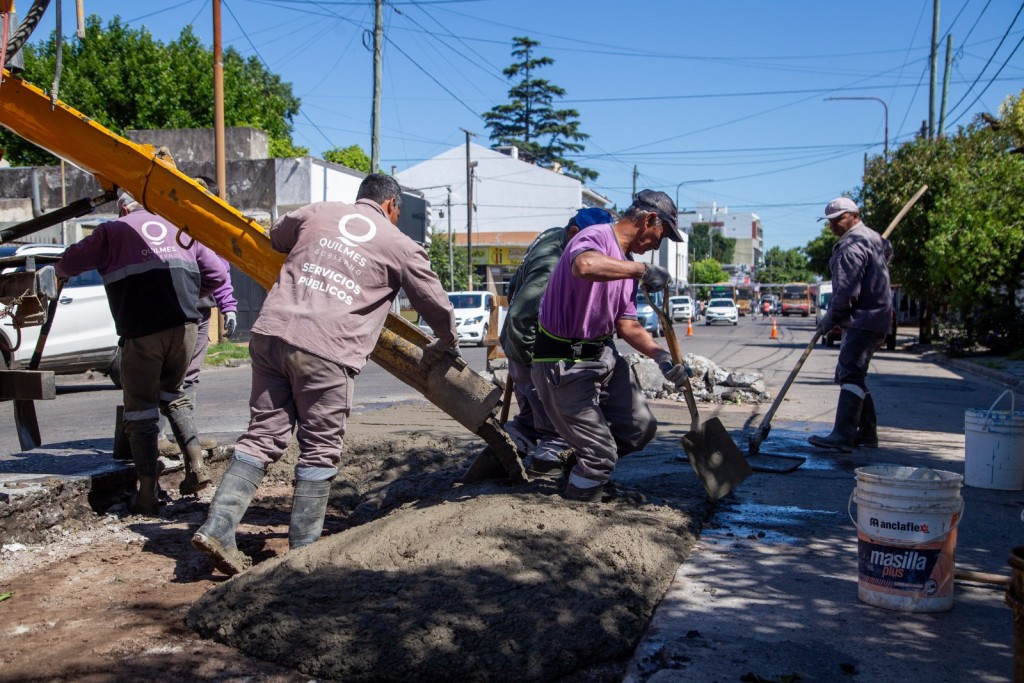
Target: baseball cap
x=584 y=218
x=837 y=207
x=663 y=206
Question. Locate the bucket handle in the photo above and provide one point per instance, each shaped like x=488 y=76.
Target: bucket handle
x=959 y=518
x=988 y=415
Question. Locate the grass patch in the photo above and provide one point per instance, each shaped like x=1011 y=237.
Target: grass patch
x=1017 y=355
x=994 y=364
x=226 y=352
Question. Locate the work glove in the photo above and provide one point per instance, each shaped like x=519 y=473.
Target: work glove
x=655 y=278
x=433 y=351
x=230 y=323
x=673 y=372
x=826 y=323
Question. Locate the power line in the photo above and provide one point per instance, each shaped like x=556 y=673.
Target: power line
x=989 y=84
x=968 y=92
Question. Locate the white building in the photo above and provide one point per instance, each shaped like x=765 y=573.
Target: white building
x=744 y=227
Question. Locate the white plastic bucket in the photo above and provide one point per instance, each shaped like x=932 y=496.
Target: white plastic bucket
x=906 y=536
x=994 y=447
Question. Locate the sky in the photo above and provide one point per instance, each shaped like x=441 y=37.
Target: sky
x=712 y=102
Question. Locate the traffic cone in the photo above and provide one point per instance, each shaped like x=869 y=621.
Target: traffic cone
x=689 y=327
x=775 y=330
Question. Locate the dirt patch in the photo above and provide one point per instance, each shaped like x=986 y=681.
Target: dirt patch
x=414 y=577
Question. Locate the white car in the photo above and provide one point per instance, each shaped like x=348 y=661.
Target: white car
x=681 y=307
x=82 y=337
x=472 y=316
x=721 y=311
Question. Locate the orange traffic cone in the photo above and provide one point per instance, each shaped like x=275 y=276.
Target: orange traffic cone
x=689 y=327
x=775 y=330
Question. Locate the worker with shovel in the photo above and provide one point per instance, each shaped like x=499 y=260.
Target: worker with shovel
x=862 y=305
x=586 y=387
x=525 y=290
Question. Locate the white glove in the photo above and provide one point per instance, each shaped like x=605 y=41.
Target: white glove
x=673 y=372
x=230 y=323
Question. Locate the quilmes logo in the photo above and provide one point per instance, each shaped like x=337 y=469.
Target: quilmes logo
x=913 y=527
x=351 y=238
x=155 y=232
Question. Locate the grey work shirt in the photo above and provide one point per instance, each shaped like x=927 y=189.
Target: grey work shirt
x=861 y=295
x=345 y=265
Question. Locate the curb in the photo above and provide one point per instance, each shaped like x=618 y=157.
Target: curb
x=1007 y=379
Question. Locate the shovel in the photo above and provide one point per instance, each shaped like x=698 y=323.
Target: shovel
x=715 y=457
x=25 y=420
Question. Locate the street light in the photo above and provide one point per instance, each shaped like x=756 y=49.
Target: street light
x=884 y=105
x=685 y=182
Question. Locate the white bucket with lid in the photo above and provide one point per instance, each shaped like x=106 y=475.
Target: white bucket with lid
x=994 y=447
x=906 y=536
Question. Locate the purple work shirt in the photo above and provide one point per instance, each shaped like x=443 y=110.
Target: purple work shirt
x=574 y=308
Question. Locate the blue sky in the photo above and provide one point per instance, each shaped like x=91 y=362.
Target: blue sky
x=709 y=101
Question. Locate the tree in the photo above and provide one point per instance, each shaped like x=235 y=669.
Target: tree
x=706 y=242
x=784 y=266
x=543 y=134
x=437 y=250
x=124 y=79
x=352 y=156
x=709 y=271
x=819 y=253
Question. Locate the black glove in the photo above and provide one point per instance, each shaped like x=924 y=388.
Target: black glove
x=673 y=372
x=655 y=278
x=432 y=352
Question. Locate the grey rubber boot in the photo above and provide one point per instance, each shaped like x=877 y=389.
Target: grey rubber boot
x=197 y=477
x=309 y=507
x=847 y=421
x=216 y=538
x=142 y=439
x=867 y=433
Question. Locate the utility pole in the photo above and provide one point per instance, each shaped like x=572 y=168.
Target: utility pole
x=469 y=210
x=934 y=68
x=218 y=104
x=378 y=77
x=635 y=174
x=945 y=83
x=451 y=253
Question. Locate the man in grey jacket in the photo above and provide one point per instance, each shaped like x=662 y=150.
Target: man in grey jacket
x=862 y=305
x=315 y=332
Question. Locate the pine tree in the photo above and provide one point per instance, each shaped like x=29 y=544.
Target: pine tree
x=543 y=134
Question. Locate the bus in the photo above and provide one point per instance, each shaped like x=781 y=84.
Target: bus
x=723 y=290
x=796 y=298
x=744 y=299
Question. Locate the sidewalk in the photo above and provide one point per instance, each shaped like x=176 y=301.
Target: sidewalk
x=769 y=593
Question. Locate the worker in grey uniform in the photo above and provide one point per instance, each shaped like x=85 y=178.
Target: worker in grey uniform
x=531 y=429
x=861 y=304
x=585 y=385
x=318 y=325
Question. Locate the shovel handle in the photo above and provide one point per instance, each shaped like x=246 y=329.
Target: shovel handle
x=789 y=380
x=44 y=331
x=673 y=347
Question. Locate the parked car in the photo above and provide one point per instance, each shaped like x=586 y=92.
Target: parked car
x=647 y=315
x=824 y=297
x=721 y=310
x=472 y=316
x=681 y=307
x=82 y=337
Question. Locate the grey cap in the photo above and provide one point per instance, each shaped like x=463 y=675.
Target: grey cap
x=663 y=206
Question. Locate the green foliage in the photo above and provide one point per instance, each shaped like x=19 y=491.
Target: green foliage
x=708 y=243
x=781 y=267
x=709 y=271
x=124 y=79
x=352 y=156
x=437 y=251
x=818 y=252
x=543 y=134
x=225 y=353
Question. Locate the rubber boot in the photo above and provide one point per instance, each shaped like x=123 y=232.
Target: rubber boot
x=309 y=506
x=847 y=421
x=197 y=477
x=142 y=438
x=216 y=538
x=867 y=433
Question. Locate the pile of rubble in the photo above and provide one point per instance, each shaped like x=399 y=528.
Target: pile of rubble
x=711 y=383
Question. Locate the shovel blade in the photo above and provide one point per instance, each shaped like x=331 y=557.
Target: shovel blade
x=776 y=464
x=716 y=458
x=27 y=424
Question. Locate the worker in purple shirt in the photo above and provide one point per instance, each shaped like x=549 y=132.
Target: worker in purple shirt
x=152 y=284
x=584 y=384
x=315 y=332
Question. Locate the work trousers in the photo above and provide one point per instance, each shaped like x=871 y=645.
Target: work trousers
x=152 y=372
x=199 y=353
x=532 y=420
x=598 y=409
x=292 y=388
x=855 y=352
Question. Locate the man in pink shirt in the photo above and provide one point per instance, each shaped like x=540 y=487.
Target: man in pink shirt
x=315 y=332
x=584 y=384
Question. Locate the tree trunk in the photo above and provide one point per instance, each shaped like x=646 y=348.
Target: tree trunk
x=924 y=327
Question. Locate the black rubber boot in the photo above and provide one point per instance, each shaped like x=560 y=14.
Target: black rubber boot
x=309 y=506
x=142 y=439
x=867 y=434
x=216 y=538
x=847 y=421
x=197 y=477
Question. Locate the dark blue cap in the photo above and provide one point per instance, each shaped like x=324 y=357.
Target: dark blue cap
x=584 y=218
